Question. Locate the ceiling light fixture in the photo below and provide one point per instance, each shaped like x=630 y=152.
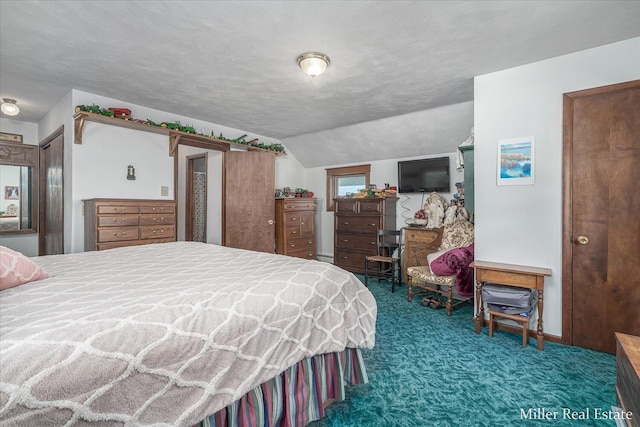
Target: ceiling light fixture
x=313 y=63
x=9 y=107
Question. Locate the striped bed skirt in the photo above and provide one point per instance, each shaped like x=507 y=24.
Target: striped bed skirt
x=297 y=396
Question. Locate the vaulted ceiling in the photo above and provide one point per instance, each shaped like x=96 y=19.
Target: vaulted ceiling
x=234 y=63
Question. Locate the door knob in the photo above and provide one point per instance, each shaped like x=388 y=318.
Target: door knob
x=581 y=240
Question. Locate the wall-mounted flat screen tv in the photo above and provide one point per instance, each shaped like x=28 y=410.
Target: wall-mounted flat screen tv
x=424 y=175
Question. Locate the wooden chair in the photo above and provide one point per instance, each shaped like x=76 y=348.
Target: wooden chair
x=385 y=265
x=457 y=235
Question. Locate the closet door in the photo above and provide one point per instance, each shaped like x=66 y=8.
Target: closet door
x=248 y=217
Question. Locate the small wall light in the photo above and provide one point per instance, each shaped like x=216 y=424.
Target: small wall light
x=131 y=173
x=313 y=63
x=9 y=107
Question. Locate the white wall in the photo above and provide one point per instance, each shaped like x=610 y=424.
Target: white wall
x=289 y=171
x=523 y=224
x=25 y=243
x=382 y=171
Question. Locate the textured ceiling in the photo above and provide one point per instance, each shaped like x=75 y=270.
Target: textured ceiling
x=233 y=63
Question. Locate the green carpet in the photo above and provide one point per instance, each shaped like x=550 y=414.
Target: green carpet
x=430 y=370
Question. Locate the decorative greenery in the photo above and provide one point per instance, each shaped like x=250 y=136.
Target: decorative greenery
x=277 y=147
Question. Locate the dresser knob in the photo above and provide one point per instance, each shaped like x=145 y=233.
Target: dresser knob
x=294 y=231
x=293 y=218
x=293 y=245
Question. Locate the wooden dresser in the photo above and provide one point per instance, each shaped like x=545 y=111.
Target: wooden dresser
x=628 y=377
x=356 y=222
x=418 y=243
x=296 y=227
x=113 y=223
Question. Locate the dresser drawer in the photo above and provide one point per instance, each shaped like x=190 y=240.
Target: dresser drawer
x=292 y=231
x=299 y=205
x=356 y=241
x=350 y=260
x=158 y=219
x=373 y=207
x=306 y=253
x=299 y=244
x=117 y=220
x=291 y=218
x=156 y=209
x=157 y=232
x=359 y=224
x=422 y=236
x=117 y=209
x=346 y=207
x=115 y=234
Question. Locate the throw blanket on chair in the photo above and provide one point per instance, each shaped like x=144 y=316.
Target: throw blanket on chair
x=456 y=261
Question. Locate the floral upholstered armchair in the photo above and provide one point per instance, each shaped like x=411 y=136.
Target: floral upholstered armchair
x=447 y=269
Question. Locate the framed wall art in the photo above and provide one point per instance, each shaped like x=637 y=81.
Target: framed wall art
x=11 y=192
x=10 y=137
x=516 y=161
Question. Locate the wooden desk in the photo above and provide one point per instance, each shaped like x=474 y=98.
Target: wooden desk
x=510 y=275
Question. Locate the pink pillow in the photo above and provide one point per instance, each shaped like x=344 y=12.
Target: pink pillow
x=17 y=269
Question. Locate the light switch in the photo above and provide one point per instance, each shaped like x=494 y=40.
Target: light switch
x=164 y=190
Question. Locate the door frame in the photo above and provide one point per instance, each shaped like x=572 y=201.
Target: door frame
x=42 y=190
x=188 y=199
x=567 y=201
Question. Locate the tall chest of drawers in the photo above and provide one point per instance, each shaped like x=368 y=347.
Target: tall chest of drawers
x=356 y=222
x=114 y=223
x=296 y=227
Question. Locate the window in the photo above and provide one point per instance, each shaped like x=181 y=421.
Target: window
x=344 y=181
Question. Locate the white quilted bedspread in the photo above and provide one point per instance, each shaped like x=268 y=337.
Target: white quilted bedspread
x=166 y=334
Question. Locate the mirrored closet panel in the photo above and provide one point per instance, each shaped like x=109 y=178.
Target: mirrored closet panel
x=19 y=177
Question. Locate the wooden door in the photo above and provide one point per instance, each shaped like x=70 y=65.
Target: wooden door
x=249 y=203
x=51 y=195
x=601 y=230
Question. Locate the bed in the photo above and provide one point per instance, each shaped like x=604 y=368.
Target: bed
x=180 y=333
